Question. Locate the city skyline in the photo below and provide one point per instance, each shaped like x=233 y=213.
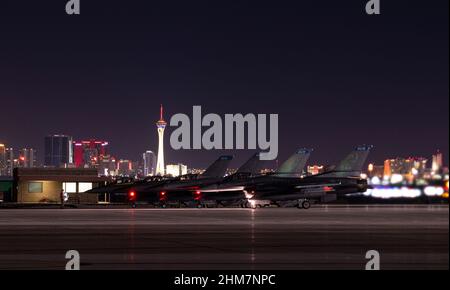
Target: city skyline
x=432 y=161
x=40 y=160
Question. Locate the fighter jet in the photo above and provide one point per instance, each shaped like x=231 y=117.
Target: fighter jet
x=232 y=189
x=125 y=189
x=344 y=179
x=179 y=189
x=118 y=190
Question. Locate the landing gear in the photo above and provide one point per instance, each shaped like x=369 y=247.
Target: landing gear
x=304 y=204
x=133 y=205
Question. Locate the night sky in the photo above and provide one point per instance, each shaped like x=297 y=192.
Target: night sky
x=336 y=76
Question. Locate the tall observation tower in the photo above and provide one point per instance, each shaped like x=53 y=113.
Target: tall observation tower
x=161 y=125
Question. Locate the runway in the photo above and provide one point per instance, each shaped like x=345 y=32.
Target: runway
x=333 y=237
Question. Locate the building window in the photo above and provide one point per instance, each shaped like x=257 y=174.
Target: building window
x=84 y=186
x=70 y=187
x=35 y=187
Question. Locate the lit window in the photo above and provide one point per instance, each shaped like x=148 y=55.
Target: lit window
x=84 y=186
x=70 y=187
x=35 y=187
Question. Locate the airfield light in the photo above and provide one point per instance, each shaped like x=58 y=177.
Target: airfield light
x=375 y=180
x=396 y=178
x=434 y=191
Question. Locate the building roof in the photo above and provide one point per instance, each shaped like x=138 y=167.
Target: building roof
x=59 y=174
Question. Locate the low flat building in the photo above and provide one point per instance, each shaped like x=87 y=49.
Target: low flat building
x=6 y=186
x=43 y=185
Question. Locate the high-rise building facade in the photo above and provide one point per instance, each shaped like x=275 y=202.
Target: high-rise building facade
x=125 y=168
x=10 y=161
x=437 y=162
x=27 y=158
x=314 y=169
x=403 y=166
x=176 y=169
x=149 y=160
x=376 y=170
x=161 y=126
x=58 y=151
x=89 y=153
x=107 y=166
x=7 y=162
x=3 y=163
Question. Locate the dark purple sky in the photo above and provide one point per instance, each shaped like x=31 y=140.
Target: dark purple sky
x=336 y=76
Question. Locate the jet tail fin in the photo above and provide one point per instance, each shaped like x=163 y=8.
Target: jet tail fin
x=219 y=167
x=252 y=165
x=293 y=167
x=352 y=165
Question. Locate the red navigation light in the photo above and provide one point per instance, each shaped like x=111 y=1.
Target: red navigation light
x=328 y=188
x=197 y=195
x=162 y=195
x=132 y=195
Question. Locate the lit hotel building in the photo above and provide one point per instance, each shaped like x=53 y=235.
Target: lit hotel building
x=27 y=158
x=437 y=162
x=315 y=169
x=89 y=153
x=176 y=169
x=3 y=162
x=149 y=160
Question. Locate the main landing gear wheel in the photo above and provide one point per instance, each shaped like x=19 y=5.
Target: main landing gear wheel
x=304 y=204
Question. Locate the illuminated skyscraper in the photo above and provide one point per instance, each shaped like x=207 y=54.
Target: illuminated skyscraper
x=27 y=158
x=149 y=159
x=437 y=162
x=10 y=161
x=58 y=151
x=125 y=168
x=176 y=169
x=161 y=125
x=7 y=163
x=89 y=153
x=3 y=164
